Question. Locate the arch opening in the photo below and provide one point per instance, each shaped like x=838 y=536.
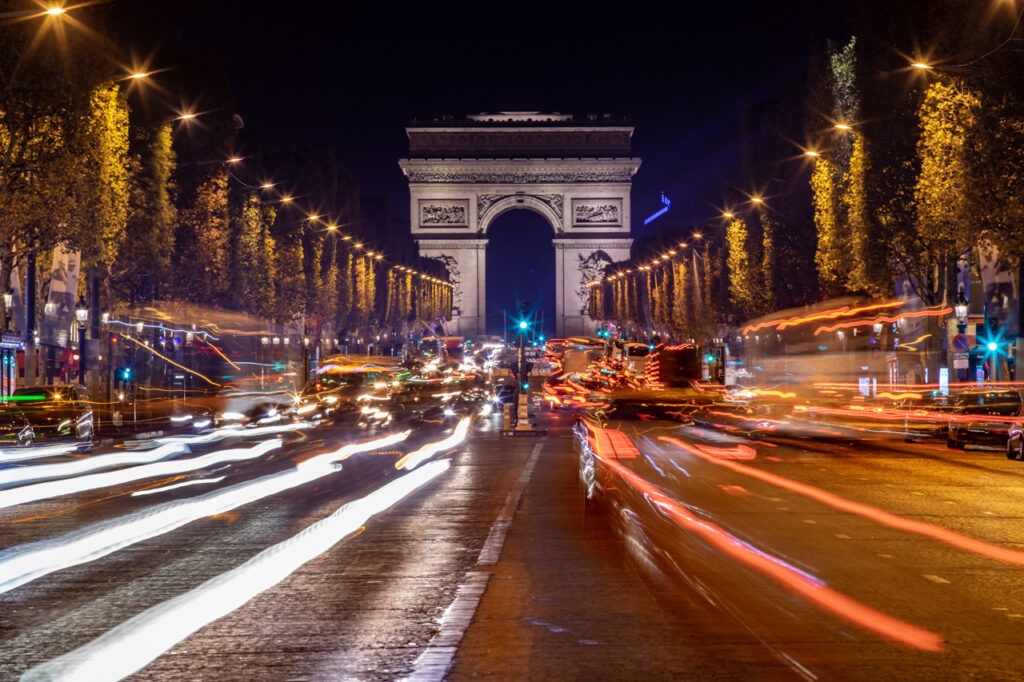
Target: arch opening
x=520 y=267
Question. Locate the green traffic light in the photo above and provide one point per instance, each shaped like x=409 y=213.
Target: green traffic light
x=522 y=324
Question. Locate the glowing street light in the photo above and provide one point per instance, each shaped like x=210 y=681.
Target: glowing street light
x=697 y=235
x=811 y=153
x=285 y=199
x=757 y=200
x=922 y=66
x=138 y=75
x=332 y=227
x=54 y=11
x=266 y=185
x=235 y=159
x=728 y=214
x=843 y=126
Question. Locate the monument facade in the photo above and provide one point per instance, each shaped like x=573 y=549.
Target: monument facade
x=576 y=173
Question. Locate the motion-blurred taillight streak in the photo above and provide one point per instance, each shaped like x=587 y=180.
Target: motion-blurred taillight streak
x=133 y=644
x=950 y=537
x=20 y=565
x=107 y=479
x=816 y=592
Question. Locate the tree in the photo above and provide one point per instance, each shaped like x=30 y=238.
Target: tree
x=252 y=266
x=202 y=240
x=144 y=258
x=289 y=299
x=743 y=289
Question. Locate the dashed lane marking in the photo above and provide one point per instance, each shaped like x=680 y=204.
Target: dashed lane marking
x=936 y=579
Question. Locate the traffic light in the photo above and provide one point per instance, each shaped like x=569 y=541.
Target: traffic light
x=526 y=385
x=523 y=324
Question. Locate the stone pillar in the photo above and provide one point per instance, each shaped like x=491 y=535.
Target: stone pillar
x=466 y=263
x=579 y=262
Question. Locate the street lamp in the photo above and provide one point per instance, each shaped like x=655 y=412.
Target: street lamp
x=82 y=316
x=8 y=302
x=960 y=310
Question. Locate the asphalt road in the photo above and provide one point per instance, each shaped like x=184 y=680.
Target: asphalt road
x=492 y=569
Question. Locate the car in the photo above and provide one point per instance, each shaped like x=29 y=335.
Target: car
x=926 y=418
x=14 y=426
x=983 y=417
x=504 y=394
x=55 y=412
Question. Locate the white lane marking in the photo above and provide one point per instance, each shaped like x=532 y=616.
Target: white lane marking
x=136 y=642
x=887 y=556
x=432 y=665
x=936 y=579
x=811 y=522
x=841 y=536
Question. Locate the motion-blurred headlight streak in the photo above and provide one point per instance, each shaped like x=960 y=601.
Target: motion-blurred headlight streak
x=950 y=537
x=796 y=581
x=139 y=640
x=36 y=452
x=20 y=565
x=173 y=486
x=417 y=457
x=71 y=486
x=237 y=432
x=83 y=466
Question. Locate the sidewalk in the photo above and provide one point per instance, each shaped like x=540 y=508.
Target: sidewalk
x=565 y=600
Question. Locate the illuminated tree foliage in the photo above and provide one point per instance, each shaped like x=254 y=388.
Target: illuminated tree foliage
x=680 y=299
x=945 y=184
x=202 y=241
x=290 y=290
x=744 y=293
x=102 y=211
x=145 y=257
x=252 y=264
x=769 y=283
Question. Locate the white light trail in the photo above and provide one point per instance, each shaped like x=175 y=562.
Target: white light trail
x=183 y=484
x=20 y=565
x=133 y=644
x=414 y=459
x=36 y=452
x=90 y=464
x=70 y=486
x=236 y=432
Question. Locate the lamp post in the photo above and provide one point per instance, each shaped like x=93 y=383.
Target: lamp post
x=960 y=310
x=82 y=316
x=8 y=302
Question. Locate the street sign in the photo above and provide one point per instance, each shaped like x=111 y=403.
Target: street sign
x=961 y=360
x=963 y=342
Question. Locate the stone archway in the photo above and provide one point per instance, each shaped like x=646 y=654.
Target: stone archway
x=577 y=174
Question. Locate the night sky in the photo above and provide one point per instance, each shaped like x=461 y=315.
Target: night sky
x=350 y=77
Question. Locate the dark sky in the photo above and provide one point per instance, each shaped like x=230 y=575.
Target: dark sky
x=351 y=76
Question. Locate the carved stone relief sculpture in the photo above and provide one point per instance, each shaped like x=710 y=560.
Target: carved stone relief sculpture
x=444 y=213
x=590 y=268
x=596 y=212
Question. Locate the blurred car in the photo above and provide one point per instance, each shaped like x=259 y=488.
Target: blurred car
x=504 y=394
x=982 y=417
x=14 y=426
x=926 y=418
x=55 y=412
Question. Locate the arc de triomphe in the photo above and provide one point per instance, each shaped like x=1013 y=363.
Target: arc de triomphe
x=575 y=173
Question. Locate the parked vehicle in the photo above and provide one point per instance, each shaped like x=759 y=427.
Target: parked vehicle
x=55 y=412
x=14 y=426
x=983 y=417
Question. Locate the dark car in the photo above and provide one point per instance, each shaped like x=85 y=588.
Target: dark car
x=504 y=394
x=983 y=417
x=14 y=426
x=926 y=417
x=55 y=412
